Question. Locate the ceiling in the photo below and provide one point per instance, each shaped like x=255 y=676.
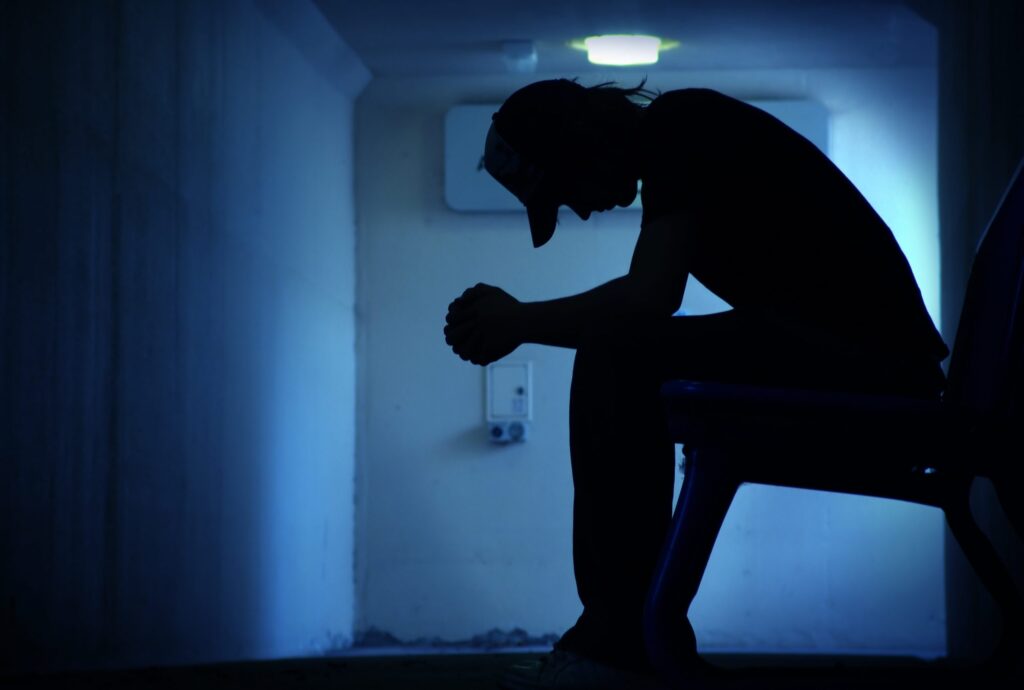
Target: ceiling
x=465 y=37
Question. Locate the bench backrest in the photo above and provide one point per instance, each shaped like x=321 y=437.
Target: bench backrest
x=986 y=372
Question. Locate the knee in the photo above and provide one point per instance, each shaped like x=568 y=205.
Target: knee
x=621 y=336
x=614 y=347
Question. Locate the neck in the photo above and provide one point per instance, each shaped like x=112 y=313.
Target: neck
x=632 y=142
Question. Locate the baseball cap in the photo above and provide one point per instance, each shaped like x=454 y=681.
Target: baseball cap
x=523 y=143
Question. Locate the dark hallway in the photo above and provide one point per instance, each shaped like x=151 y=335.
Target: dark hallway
x=234 y=444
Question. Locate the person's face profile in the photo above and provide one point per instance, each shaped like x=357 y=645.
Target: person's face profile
x=593 y=186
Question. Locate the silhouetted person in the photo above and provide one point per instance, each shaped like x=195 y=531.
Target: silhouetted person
x=821 y=296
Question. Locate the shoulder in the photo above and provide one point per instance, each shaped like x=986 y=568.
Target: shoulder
x=693 y=119
x=685 y=130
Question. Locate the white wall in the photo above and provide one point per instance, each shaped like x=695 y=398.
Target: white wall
x=456 y=537
x=307 y=235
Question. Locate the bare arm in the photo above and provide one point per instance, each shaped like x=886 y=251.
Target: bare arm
x=486 y=323
x=561 y=322
x=653 y=287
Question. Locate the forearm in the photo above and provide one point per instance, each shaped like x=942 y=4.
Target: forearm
x=562 y=322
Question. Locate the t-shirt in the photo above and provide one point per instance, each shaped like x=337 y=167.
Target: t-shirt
x=777 y=227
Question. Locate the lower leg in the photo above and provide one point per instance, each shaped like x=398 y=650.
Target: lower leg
x=623 y=471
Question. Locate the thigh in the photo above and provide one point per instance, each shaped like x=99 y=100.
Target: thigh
x=751 y=348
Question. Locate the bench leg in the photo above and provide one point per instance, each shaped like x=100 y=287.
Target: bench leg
x=990 y=569
x=704 y=499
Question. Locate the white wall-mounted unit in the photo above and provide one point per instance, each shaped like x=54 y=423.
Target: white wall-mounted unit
x=509 y=402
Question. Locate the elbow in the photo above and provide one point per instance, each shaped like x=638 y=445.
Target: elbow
x=665 y=299
x=669 y=305
x=657 y=301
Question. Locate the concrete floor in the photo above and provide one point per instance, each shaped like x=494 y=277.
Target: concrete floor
x=387 y=670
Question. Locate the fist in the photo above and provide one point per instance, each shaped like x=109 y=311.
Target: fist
x=484 y=324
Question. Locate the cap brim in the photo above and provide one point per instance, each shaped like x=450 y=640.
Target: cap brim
x=543 y=219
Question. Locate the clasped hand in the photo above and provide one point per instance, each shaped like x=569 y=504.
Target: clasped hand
x=484 y=324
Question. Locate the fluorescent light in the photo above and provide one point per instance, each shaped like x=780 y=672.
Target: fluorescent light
x=622 y=49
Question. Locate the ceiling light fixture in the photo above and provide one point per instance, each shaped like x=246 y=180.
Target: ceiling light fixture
x=623 y=50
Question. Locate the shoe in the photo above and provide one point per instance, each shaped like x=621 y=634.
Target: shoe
x=568 y=671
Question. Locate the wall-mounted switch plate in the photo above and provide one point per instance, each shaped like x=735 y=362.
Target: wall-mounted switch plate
x=509 y=401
